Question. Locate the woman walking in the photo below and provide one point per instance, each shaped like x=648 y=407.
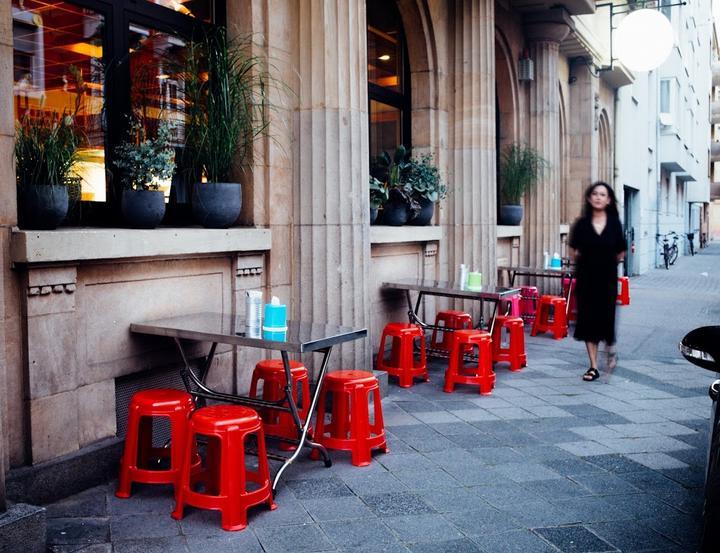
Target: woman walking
x=597 y=246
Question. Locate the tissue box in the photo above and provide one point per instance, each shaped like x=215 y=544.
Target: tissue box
x=275 y=318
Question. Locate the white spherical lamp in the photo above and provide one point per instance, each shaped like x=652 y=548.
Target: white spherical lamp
x=644 y=40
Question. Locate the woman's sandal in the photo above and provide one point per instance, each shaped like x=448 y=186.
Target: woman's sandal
x=611 y=360
x=591 y=374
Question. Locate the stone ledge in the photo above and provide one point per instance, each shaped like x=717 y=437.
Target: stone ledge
x=396 y=235
x=509 y=231
x=67 y=475
x=84 y=244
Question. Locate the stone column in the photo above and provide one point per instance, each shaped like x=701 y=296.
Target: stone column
x=471 y=205
x=330 y=237
x=544 y=33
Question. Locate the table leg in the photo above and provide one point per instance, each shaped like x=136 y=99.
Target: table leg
x=569 y=294
x=304 y=440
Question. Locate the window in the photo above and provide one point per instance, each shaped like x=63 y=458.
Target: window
x=388 y=79
x=119 y=50
x=669 y=98
x=666 y=8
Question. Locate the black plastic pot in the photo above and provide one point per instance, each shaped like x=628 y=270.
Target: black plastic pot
x=142 y=208
x=511 y=214
x=42 y=207
x=216 y=204
x=373 y=215
x=425 y=215
x=395 y=213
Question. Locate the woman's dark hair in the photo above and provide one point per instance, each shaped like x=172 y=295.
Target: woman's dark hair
x=611 y=209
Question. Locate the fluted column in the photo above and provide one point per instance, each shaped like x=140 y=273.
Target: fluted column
x=471 y=158
x=542 y=205
x=331 y=238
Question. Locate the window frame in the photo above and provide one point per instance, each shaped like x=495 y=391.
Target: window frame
x=398 y=100
x=118 y=15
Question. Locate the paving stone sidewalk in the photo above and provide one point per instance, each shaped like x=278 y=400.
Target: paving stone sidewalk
x=547 y=463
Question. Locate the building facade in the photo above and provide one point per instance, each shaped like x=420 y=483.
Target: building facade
x=461 y=91
x=663 y=165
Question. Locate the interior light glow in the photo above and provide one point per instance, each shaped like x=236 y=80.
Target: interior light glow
x=644 y=40
x=384 y=57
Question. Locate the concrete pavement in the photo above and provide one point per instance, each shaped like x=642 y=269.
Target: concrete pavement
x=547 y=463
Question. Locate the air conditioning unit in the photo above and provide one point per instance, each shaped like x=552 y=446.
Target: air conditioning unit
x=526 y=70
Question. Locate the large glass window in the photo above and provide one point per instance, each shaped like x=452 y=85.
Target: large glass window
x=388 y=78
x=58 y=68
x=112 y=57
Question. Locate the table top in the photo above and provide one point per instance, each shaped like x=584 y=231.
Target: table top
x=226 y=329
x=450 y=289
x=536 y=271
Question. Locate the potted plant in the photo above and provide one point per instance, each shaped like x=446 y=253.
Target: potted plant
x=520 y=169
x=144 y=163
x=401 y=205
x=423 y=176
x=225 y=96
x=378 y=197
x=46 y=151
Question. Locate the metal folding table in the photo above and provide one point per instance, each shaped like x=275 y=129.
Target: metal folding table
x=448 y=290
x=217 y=328
x=564 y=272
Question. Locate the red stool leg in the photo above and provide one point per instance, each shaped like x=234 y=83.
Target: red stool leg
x=359 y=427
x=130 y=453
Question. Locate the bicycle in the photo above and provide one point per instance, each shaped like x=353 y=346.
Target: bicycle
x=669 y=251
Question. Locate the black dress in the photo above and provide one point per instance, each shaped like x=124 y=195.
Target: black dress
x=596 y=278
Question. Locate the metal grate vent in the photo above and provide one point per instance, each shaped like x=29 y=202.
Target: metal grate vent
x=126 y=386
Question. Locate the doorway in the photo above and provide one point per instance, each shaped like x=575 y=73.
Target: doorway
x=629 y=199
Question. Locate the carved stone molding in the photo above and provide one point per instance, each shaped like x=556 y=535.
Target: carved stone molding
x=68 y=288
x=431 y=249
x=249 y=271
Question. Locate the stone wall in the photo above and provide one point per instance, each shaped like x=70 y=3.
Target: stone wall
x=78 y=312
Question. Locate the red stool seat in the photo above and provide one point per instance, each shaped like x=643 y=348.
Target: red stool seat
x=174 y=405
x=481 y=375
x=402 y=362
x=514 y=352
x=225 y=475
x=623 y=297
x=551 y=317
x=272 y=373
x=528 y=303
x=451 y=319
x=350 y=427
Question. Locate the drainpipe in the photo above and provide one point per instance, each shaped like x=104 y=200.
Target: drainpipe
x=657 y=164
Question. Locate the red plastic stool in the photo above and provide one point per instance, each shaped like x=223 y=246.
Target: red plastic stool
x=623 y=297
x=272 y=373
x=174 y=405
x=454 y=320
x=510 y=306
x=528 y=303
x=551 y=317
x=514 y=353
x=480 y=375
x=572 y=311
x=402 y=361
x=225 y=475
x=350 y=428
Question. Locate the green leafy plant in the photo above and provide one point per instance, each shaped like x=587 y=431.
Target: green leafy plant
x=226 y=98
x=520 y=168
x=144 y=162
x=378 y=193
x=423 y=176
x=46 y=143
x=393 y=171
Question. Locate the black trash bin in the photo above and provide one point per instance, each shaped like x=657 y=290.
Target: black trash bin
x=702 y=348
